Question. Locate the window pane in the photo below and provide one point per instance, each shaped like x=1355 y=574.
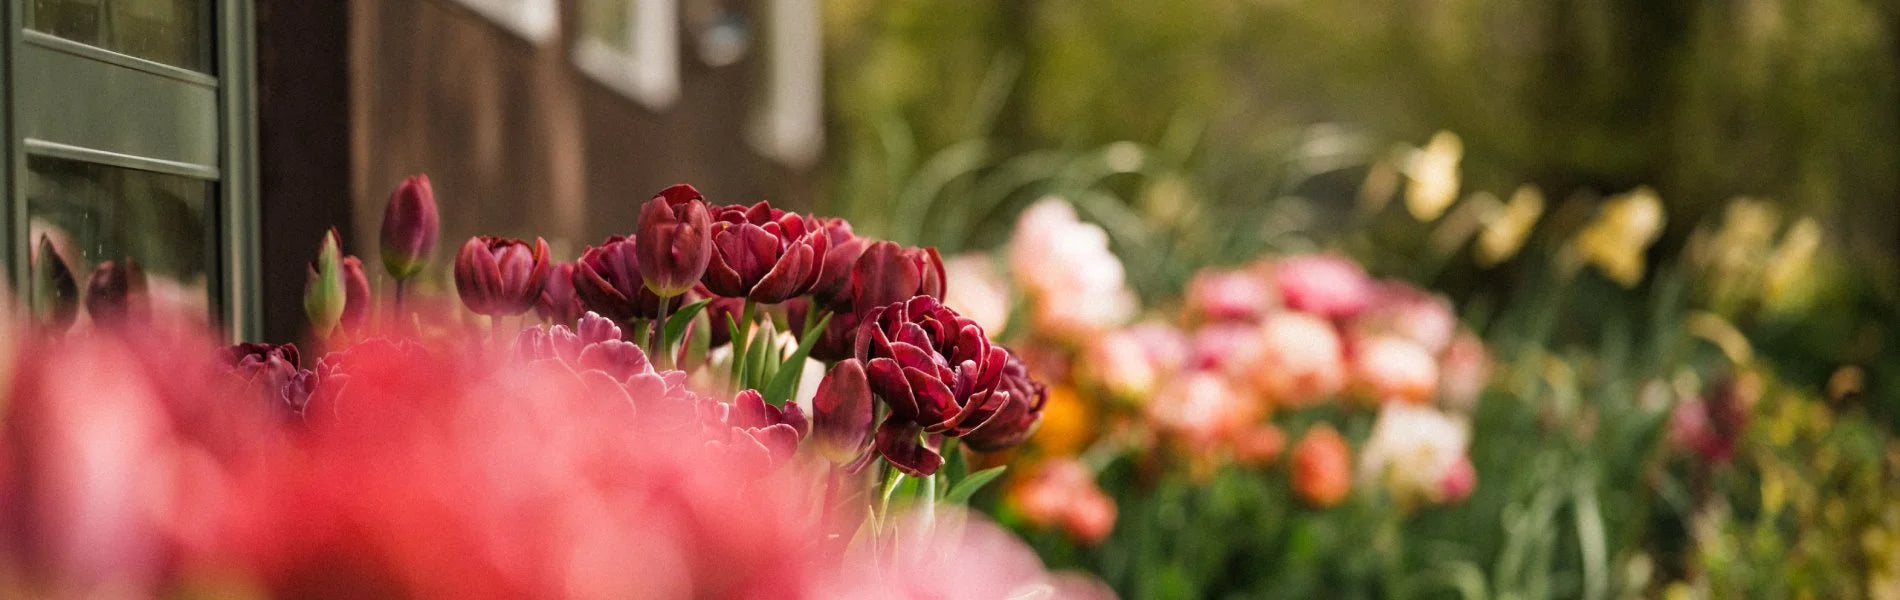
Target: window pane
x=174 y=32
x=609 y=22
x=95 y=213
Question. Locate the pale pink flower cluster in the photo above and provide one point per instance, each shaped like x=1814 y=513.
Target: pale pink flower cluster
x=1075 y=285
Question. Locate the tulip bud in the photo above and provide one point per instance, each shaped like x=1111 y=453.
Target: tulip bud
x=674 y=243
x=501 y=277
x=323 y=295
x=410 y=226
x=1322 y=471
x=115 y=291
x=55 y=292
x=1460 y=480
x=356 y=298
x=841 y=414
x=887 y=273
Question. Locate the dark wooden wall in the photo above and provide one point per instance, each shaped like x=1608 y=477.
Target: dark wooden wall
x=517 y=140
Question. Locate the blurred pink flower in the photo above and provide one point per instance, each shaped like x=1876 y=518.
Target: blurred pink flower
x=1237 y=294
x=1076 y=286
x=1393 y=369
x=1418 y=454
x=1403 y=310
x=1463 y=372
x=1118 y=363
x=1202 y=410
x=1061 y=493
x=980 y=292
x=1330 y=286
x=952 y=555
x=1302 y=361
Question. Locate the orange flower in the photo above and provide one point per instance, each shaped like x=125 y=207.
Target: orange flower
x=1067 y=422
x=1322 y=467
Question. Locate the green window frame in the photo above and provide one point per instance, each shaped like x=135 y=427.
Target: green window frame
x=93 y=105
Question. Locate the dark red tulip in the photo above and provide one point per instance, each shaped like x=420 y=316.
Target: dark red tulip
x=938 y=373
x=841 y=413
x=55 y=291
x=501 y=277
x=674 y=241
x=410 y=226
x=559 y=301
x=764 y=254
x=115 y=291
x=889 y=273
x=1016 y=418
x=769 y=433
x=607 y=279
x=834 y=282
x=273 y=370
x=357 y=301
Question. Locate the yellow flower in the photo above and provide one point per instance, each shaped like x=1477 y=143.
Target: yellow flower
x=1623 y=229
x=1506 y=230
x=1434 y=176
x=1789 y=268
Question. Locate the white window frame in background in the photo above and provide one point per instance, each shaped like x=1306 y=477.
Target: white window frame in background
x=650 y=72
x=535 y=20
x=789 y=126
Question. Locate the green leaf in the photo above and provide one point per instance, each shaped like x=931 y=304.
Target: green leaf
x=963 y=490
x=780 y=389
x=737 y=347
x=676 y=324
x=754 y=355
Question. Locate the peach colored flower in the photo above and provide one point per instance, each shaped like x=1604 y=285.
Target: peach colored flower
x=1388 y=369
x=1322 y=467
x=1076 y=286
x=1302 y=362
x=1415 y=452
x=979 y=293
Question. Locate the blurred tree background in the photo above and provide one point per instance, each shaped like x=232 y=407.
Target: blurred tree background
x=1795 y=100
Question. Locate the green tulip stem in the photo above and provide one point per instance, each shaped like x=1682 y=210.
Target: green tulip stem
x=656 y=342
x=891 y=482
x=399 y=289
x=741 y=340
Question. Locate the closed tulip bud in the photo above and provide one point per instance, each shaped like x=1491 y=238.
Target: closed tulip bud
x=410 y=226
x=674 y=241
x=841 y=414
x=501 y=277
x=888 y=273
x=324 y=296
x=1322 y=469
x=356 y=298
x=115 y=291
x=55 y=292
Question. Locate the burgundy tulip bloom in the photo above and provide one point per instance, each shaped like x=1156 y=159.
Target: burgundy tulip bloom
x=1017 y=417
x=938 y=373
x=559 y=302
x=356 y=297
x=410 y=227
x=718 y=310
x=607 y=278
x=500 y=276
x=764 y=254
x=842 y=412
x=115 y=291
x=675 y=240
x=888 y=273
x=834 y=282
x=273 y=370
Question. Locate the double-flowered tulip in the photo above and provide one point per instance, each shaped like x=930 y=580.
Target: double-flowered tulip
x=940 y=376
x=764 y=254
x=501 y=277
x=607 y=278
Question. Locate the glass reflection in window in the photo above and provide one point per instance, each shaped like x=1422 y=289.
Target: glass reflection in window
x=174 y=32
x=95 y=213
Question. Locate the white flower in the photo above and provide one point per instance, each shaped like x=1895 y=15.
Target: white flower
x=1413 y=450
